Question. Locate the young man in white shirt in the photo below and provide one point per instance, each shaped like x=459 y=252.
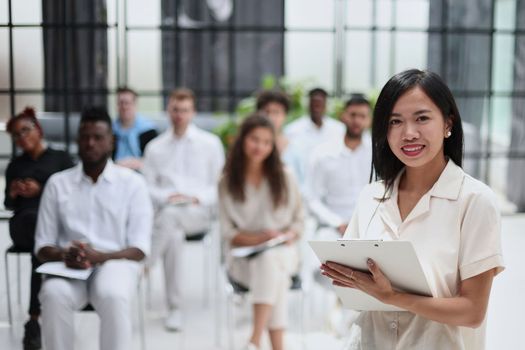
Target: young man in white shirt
x=308 y=132
x=182 y=168
x=340 y=169
x=96 y=215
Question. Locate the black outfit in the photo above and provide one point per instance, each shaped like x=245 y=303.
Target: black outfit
x=23 y=223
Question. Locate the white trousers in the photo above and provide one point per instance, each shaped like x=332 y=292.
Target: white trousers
x=172 y=223
x=110 y=289
x=268 y=276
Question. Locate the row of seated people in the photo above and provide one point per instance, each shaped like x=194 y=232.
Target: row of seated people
x=98 y=214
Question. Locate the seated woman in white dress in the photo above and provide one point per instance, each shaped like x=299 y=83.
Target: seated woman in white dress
x=258 y=201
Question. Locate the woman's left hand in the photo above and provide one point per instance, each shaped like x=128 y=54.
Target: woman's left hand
x=374 y=283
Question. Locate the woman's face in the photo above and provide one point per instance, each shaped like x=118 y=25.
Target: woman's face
x=417 y=129
x=277 y=114
x=258 y=144
x=26 y=135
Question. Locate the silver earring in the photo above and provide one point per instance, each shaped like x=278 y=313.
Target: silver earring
x=449 y=133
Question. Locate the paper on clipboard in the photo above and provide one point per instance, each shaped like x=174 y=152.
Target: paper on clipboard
x=396 y=259
x=58 y=268
x=247 y=252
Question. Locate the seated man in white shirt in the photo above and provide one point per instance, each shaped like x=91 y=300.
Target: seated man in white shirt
x=308 y=132
x=96 y=215
x=339 y=169
x=182 y=168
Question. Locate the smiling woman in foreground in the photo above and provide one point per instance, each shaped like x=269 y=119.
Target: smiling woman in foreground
x=424 y=197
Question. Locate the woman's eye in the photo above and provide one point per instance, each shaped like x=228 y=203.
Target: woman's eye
x=394 y=122
x=423 y=118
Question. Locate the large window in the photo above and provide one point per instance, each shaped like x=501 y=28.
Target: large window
x=222 y=49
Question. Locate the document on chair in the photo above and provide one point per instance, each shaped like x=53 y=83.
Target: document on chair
x=58 y=268
x=251 y=251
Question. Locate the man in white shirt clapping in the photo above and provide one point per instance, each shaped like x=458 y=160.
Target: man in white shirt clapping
x=182 y=168
x=339 y=169
x=96 y=215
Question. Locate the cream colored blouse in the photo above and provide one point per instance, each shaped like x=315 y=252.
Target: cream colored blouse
x=455 y=230
x=257 y=212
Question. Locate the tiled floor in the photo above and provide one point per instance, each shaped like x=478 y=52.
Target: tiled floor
x=205 y=326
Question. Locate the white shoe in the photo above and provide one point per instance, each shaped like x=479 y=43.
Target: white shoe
x=174 y=321
x=251 y=346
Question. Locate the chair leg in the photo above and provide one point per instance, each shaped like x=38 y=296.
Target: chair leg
x=141 y=317
x=301 y=319
x=230 y=320
x=206 y=269
x=18 y=284
x=8 y=290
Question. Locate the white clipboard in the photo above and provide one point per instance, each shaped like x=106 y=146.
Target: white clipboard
x=396 y=259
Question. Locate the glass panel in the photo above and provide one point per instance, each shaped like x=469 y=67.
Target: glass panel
x=140 y=14
x=501 y=137
x=309 y=14
x=516 y=123
x=309 y=56
x=358 y=62
x=255 y=13
x=111 y=10
x=473 y=113
x=501 y=123
x=410 y=51
x=469 y=14
x=5 y=108
x=516 y=163
x=112 y=59
x=112 y=104
x=144 y=72
x=384 y=60
x=505 y=17
x=28 y=58
x=23 y=100
x=503 y=62
x=412 y=14
x=256 y=55
x=384 y=13
x=359 y=13
x=498 y=172
x=149 y=104
x=468 y=62
x=27 y=11
x=4 y=16
x=4 y=58
x=521 y=16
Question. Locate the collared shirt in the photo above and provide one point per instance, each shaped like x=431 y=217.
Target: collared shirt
x=189 y=165
x=128 y=139
x=304 y=136
x=455 y=230
x=335 y=177
x=111 y=214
